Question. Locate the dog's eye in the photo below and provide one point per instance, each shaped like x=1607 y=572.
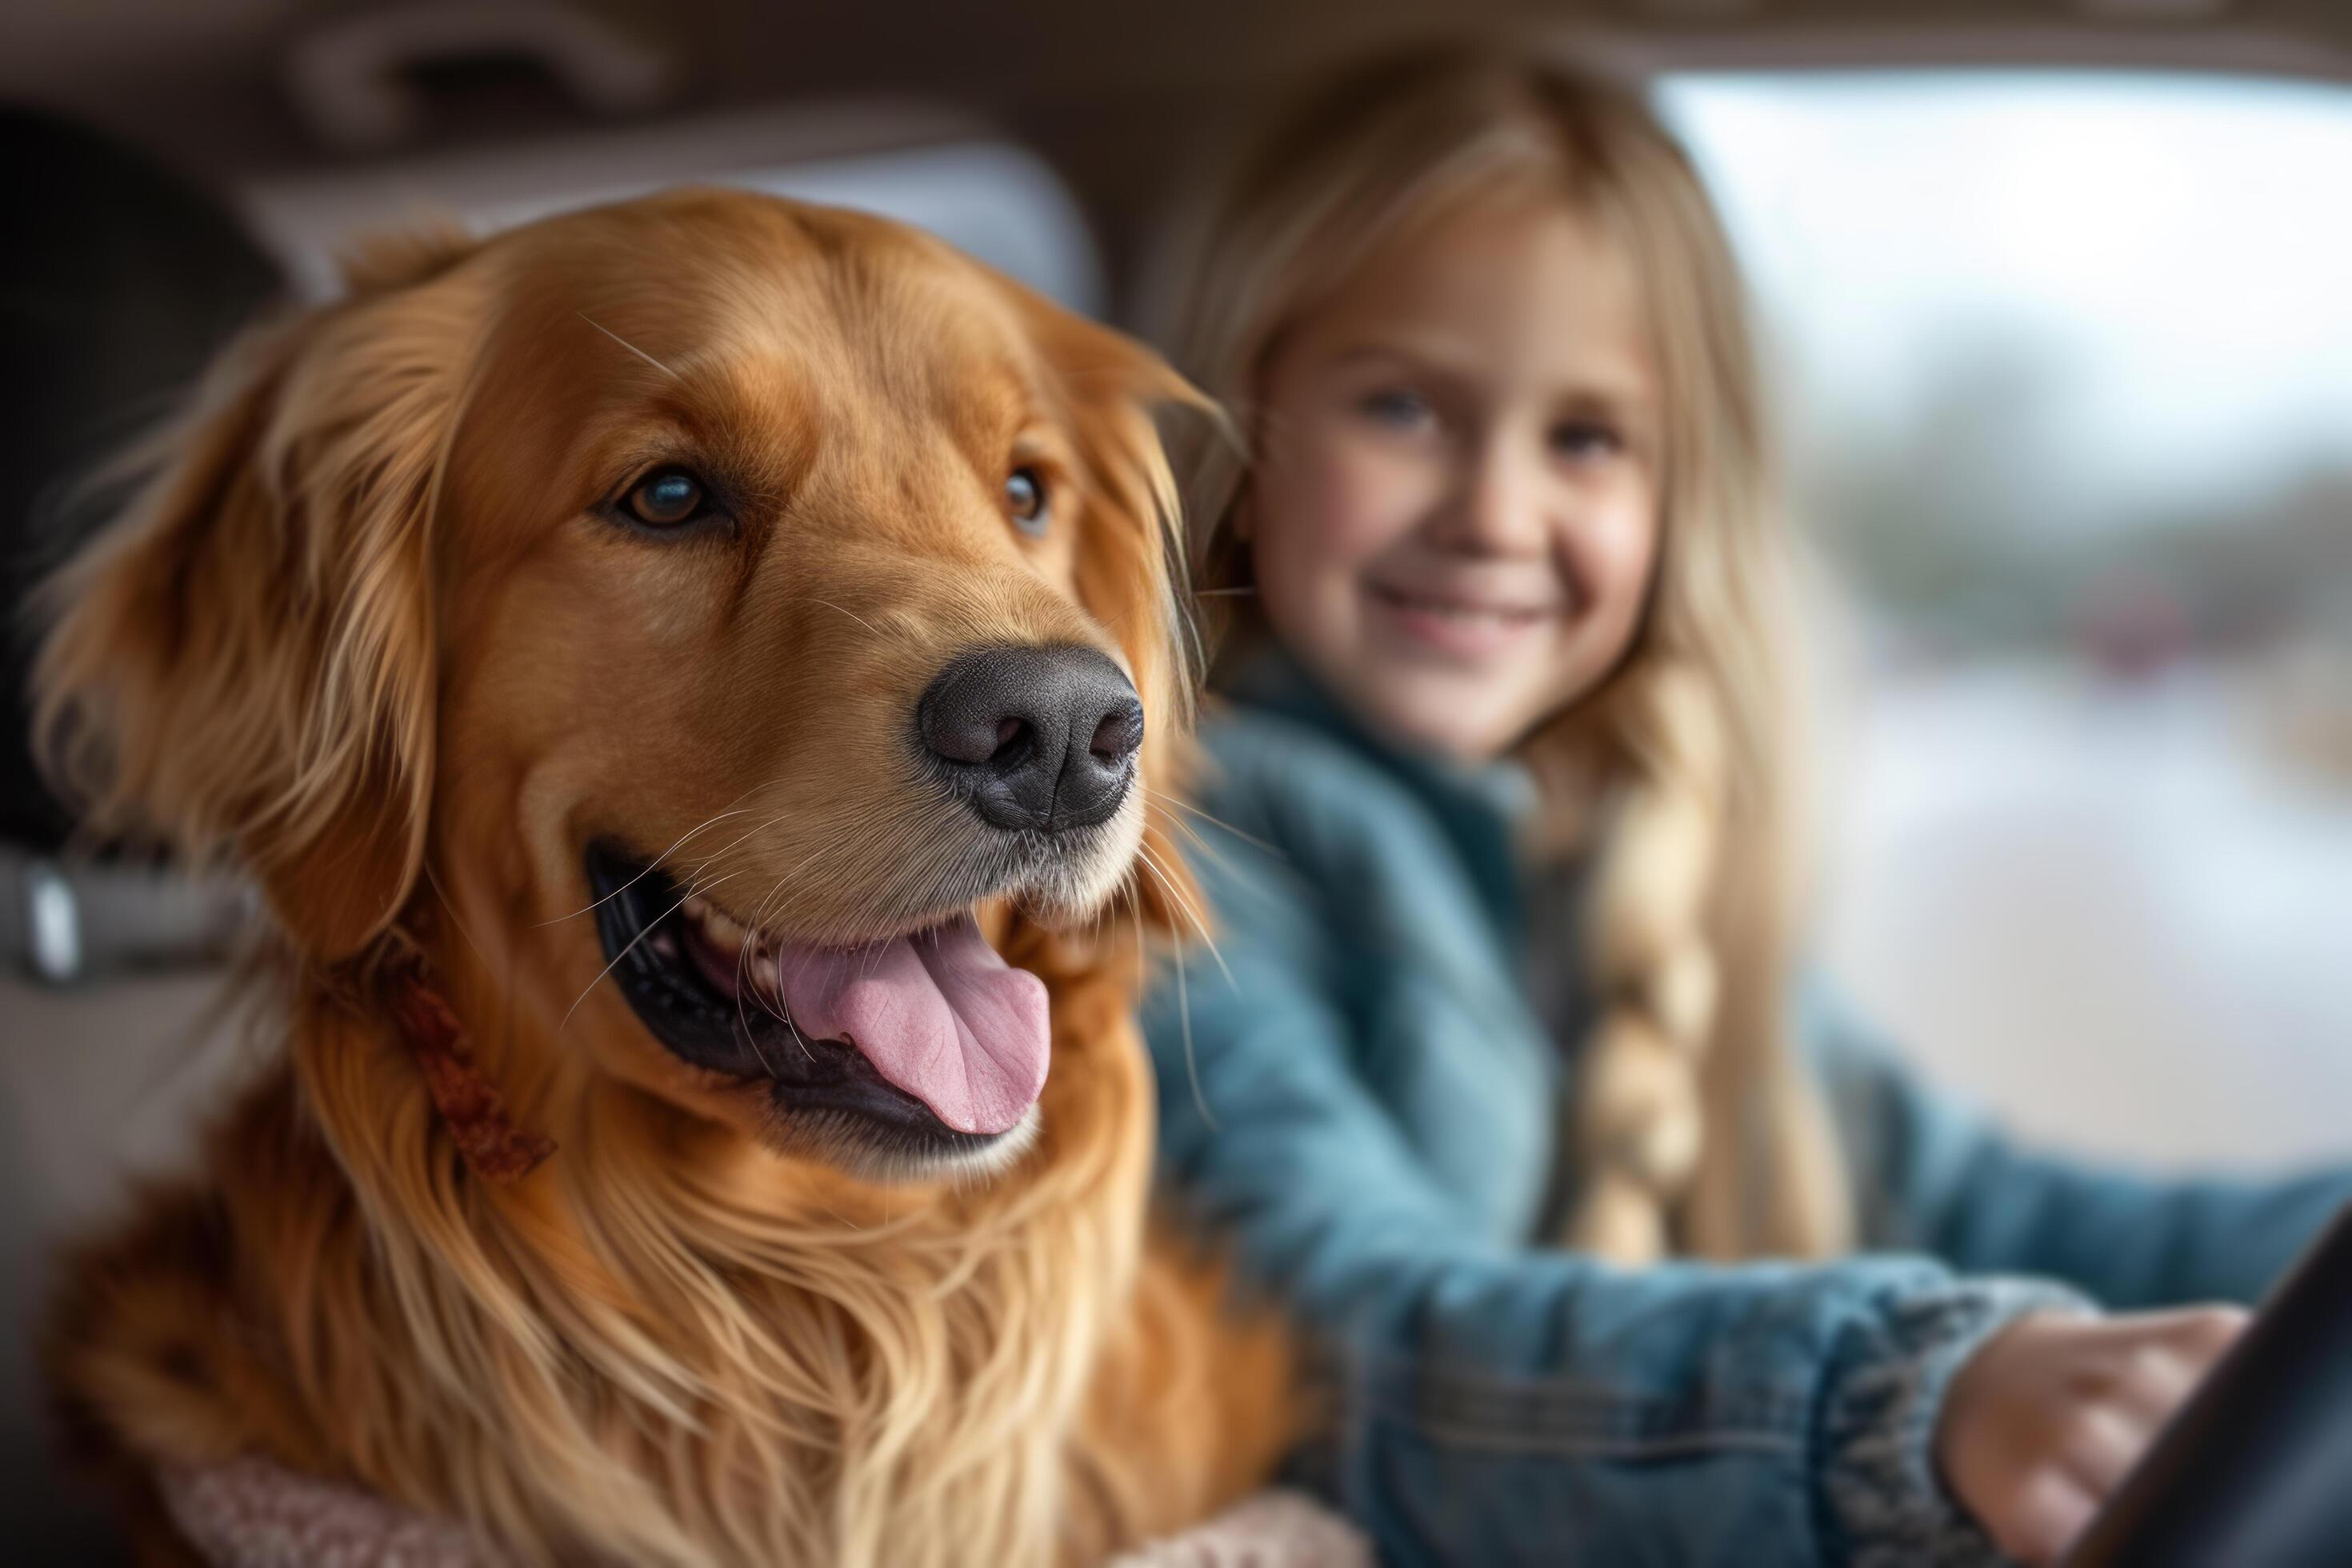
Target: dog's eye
x=1025 y=497
x=667 y=499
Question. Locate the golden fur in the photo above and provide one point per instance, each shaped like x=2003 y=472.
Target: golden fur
x=365 y=634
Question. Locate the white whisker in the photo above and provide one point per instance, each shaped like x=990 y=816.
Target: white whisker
x=861 y=620
x=624 y=953
x=1186 y=806
x=630 y=346
x=656 y=862
x=1191 y=1059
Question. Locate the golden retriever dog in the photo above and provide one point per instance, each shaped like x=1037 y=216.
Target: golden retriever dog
x=696 y=682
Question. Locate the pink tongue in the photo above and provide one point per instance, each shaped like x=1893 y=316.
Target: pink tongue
x=937 y=1013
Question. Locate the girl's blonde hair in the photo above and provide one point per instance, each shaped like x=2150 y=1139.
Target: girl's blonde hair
x=1693 y=1127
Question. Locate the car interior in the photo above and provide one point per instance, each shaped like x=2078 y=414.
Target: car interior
x=174 y=169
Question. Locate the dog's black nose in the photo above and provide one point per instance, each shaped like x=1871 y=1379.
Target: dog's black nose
x=1034 y=737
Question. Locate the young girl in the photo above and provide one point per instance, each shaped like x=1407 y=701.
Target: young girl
x=1498 y=1082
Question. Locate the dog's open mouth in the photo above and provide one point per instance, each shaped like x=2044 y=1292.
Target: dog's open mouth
x=932 y=1035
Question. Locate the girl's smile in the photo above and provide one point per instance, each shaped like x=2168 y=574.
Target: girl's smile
x=1457 y=626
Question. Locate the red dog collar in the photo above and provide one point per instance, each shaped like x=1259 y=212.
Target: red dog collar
x=469 y=1103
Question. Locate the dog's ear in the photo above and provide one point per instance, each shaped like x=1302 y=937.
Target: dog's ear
x=1130 y=564
x=244 y=663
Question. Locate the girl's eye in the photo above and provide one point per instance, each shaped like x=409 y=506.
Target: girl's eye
x=1582 y=440
x=1025 y=498
x=1397 y=407
x=665 y=499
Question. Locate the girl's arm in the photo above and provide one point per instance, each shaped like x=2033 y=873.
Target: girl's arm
x=1498 y=1405
x=1937 y=1176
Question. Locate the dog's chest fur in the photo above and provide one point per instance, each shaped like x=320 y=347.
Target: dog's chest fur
x=634 y=1359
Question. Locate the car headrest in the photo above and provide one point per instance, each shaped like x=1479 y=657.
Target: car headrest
x=118 y=283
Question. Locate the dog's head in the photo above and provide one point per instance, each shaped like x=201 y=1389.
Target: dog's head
x=723 y=596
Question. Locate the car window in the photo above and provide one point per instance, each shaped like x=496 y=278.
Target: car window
x=2065 y=373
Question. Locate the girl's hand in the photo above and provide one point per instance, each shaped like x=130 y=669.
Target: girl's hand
x=2043 y=1421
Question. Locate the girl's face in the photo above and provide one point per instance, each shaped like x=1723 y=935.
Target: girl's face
x=1455 y=508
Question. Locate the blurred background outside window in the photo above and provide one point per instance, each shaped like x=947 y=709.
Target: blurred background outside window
x=2065 y=365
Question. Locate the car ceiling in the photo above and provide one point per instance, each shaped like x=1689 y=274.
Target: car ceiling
x=1117 y=96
